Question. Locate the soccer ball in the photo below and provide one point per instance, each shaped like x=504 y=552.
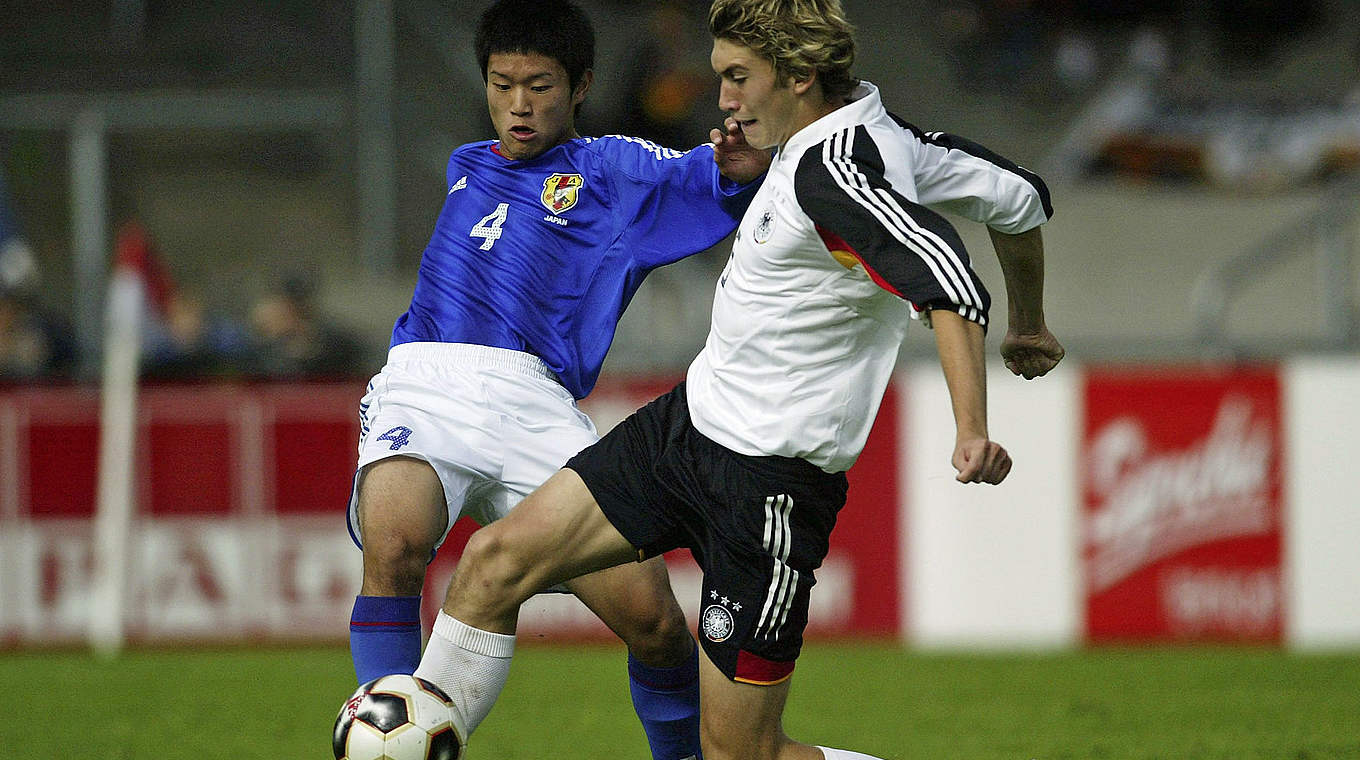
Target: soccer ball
x=399 y=717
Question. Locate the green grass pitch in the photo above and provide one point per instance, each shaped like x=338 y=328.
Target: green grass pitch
x=572 y=702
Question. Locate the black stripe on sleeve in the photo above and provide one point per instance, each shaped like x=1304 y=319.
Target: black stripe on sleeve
x=954 y=142
x=904 y=246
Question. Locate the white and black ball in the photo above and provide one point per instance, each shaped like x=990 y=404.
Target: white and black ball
x=399 y=717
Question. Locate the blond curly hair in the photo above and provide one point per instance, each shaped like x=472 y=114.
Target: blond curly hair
x=799 y=37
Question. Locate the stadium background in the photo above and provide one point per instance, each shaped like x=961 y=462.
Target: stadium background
x=1186 y=478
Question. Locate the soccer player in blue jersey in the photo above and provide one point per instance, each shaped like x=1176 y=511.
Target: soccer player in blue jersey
x=543 y=239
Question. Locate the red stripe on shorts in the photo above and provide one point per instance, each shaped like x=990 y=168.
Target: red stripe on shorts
x=752 y=668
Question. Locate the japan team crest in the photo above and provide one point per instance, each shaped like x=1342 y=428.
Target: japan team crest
x=561 y=191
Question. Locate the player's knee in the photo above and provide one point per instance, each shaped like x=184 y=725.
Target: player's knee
x=659 y=636
x=490 y=563
x=394 y=562
x=672 y=629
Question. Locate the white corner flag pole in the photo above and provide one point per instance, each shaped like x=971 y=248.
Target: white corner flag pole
x=117 y=449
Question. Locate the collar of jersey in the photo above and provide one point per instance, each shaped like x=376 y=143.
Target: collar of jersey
x=864 y=103
x=494 y=147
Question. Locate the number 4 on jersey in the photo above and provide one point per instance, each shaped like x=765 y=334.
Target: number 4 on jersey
x=489 y=229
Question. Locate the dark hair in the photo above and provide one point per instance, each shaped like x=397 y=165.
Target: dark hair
x=558 y=30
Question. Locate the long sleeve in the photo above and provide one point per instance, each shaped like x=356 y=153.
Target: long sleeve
x=959 y=176
x=905 y=247
x=676 y=203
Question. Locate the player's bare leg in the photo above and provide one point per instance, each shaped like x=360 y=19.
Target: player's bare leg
x=401 y=516
x=557 y=533
x=637 y=603
x=743 y=721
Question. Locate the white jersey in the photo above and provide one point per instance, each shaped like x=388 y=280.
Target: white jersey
x=831 y=256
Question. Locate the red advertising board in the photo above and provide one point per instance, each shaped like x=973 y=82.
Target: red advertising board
x=1181 y=504
x=240 y=531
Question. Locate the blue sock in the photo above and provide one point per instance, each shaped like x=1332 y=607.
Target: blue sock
x=384 y=635
x=667 y=703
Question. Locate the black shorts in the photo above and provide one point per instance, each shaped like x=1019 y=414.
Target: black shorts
x=757 y=525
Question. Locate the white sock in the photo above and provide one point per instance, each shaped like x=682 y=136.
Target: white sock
x=845 y=754
x=469 y=664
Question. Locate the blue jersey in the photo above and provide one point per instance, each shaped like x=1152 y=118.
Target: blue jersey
x=543 y=255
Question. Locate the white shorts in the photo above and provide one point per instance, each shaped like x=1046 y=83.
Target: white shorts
x=493 y=423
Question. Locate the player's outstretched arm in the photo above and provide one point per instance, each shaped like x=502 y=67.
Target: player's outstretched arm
x=960 y=345
x=1029 y=349
x=737 y=159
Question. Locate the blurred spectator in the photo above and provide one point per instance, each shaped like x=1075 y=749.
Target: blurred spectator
x=33 y=342
x=1076 y=61
x=18 y=266
x=188 y=341
x=665 y=97
x=179 y=338
x=290 y=340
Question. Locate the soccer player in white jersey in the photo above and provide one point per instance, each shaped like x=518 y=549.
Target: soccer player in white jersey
x=543 y=238
x=744 y=462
